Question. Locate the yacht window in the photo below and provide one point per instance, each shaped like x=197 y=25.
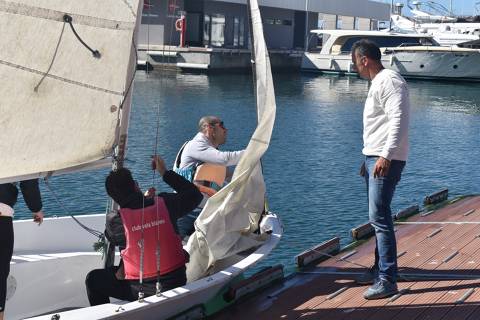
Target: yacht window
x=387 y=41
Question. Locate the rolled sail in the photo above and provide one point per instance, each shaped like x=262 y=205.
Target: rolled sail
x=59 y=102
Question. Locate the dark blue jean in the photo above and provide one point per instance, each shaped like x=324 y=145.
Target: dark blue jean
x=380 y=194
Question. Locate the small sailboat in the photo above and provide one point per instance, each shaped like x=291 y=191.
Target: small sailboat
x=67 y=69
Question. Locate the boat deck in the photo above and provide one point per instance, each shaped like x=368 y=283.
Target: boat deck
x=439 y=263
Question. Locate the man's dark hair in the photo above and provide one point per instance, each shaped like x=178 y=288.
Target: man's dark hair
x=367 y=48
x=120 y=185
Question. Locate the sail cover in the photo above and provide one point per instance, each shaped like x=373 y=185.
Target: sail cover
x=59 y=103
x=226 y=224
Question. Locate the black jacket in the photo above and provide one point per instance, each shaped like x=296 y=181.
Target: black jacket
x=186 y=198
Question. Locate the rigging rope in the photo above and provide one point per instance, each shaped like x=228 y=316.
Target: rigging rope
x=53 y=59
x=94 y=232
x=68 y=19
x=141 y=244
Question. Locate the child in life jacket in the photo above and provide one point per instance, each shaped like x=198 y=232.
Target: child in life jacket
x=153 y=250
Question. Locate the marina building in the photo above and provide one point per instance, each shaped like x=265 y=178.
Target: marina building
x=214 y=34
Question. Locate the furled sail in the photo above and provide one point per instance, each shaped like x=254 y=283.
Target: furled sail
x=225 y=226
x=66 y=68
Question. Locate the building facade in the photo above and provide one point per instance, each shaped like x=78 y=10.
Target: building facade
x=224 y=24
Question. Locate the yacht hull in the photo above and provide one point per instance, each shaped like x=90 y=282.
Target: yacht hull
x=438 y=65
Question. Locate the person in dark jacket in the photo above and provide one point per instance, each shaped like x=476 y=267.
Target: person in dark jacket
x=8 y=198
x=151 y=222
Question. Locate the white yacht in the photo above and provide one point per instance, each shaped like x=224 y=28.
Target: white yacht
x=412 y=55
x=445 y=33
x=446 y=29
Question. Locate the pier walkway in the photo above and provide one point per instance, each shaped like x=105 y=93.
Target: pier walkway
x=439 y=263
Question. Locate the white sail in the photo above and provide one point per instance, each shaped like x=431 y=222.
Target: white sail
x=60 y=105
x=225 y=226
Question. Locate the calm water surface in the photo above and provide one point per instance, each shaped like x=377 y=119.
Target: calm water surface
x=311 y=167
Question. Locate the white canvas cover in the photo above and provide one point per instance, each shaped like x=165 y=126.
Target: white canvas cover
x=228 y=219
x=71 y=121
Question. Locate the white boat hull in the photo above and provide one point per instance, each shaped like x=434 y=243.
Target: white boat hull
x=441 y=65
x=50 y=264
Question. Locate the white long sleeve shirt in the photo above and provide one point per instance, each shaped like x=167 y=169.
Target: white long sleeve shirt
x=386 y=117
x=200 y=150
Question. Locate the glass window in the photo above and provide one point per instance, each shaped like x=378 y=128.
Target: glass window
x=238 y=32
x=320 y=23
x=206 y=30
x=355 y=23
x=388 y=42
x=217 y=30
x=339 y=22
x=278 y=22
x=236 y=28
x=241 y=37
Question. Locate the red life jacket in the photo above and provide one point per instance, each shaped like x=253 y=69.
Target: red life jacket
x=155 y=225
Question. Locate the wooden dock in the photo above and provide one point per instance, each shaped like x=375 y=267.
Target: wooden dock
x=439 y=263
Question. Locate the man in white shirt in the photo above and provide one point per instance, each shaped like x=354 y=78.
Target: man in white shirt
x=203 y=148
x=385 y=139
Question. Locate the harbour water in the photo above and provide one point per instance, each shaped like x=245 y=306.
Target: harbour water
x=311 y=168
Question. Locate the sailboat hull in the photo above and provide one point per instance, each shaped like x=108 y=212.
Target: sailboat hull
x=50 y=264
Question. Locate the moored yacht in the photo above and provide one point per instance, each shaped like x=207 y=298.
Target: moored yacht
x=447 y=30
x=412 y=55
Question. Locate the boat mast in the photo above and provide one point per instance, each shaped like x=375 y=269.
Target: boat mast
x=122 y=134
x=391 y=12
x=252 y=52
x=306 y=25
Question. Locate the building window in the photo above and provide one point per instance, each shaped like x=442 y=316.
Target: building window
x=278 y=22
x=206 y=30
x=355 y=23
x=339 y=22
x=320 y=23
x=238 y=32
x=214 y=30
x=172 y=7
x=217 y=30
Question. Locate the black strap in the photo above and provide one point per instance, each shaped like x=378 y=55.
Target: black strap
x=68 y=19
x=178 y=158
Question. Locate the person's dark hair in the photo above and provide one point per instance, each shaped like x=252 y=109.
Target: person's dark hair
x=120 y=185
x=367 y=48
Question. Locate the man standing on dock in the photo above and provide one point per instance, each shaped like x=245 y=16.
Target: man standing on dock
x=385 y=146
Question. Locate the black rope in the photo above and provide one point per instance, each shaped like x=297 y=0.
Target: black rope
x=53 y=59
x=94 y=232
x=68 y=19
x=133 y=75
